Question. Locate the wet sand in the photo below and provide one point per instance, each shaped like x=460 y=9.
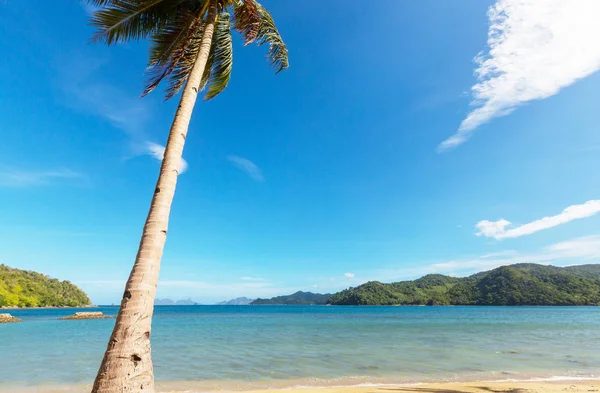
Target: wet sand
x=471 y=387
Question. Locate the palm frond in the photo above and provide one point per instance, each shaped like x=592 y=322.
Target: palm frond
x=99 y=3
x=208 y=68
x=123 y=20
x=268 y=34
x=222 y=59
x=246 y=20
x=184 y=66
x=169 y=46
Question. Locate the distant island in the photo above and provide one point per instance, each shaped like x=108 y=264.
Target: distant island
x=238 y=301
x=298 y=298
x=514 y=285
x=169 y=302
x=22 y=288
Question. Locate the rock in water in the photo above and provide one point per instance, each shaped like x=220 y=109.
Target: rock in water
x=6 y=318
x=87 y=315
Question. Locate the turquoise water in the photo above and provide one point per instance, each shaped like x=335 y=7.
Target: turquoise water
x=271 y=346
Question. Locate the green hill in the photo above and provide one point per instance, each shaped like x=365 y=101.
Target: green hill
x=20 y=288
x=298 y=298
x=521 y=284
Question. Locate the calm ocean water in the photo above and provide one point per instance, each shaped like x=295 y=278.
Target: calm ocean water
x=243 y=347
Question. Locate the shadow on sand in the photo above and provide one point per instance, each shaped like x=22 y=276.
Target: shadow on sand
x=483 y=389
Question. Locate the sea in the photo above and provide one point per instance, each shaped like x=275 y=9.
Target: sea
x=211 y=348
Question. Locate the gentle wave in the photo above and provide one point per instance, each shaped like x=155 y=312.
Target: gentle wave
x=249 y=348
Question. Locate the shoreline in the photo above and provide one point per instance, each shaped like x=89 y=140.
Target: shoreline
x=507 y=386
x=554 y=384
x=45 y=308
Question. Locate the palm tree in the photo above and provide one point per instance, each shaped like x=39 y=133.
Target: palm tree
x=191 y=47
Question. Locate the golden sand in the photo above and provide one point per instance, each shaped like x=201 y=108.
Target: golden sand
x=474 y=387
x=471 y=387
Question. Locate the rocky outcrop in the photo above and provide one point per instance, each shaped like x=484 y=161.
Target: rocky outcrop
x=87 y=315
x=6 y=318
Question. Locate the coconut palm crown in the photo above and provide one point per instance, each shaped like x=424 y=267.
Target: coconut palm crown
x=175 y=29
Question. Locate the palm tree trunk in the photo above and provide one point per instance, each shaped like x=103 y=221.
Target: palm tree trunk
x=127 y=363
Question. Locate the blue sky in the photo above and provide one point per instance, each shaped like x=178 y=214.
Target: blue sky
x=372 y=157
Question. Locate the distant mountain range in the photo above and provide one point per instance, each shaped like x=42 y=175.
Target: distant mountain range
x=169 y=302
x=298 y=298
x=514 y=285
x=238 y=301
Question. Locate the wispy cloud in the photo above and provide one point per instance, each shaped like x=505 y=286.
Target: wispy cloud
x=574 y=251
x=202 y=291
x=247 y=166
x=577 y=250
x=536 y=48
x=349 y=275
x=248 y=278
x=222 y=290
x=498 y=229
x=23 y=178
x=158 y=151
x=84 y=89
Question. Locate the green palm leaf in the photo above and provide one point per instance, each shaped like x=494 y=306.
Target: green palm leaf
x=101 y=3
x=222 y=57
x=208 y=68
x=185 y=64
x=169 y=47
x=268 y=34
x=176 y=28
x=123 y=20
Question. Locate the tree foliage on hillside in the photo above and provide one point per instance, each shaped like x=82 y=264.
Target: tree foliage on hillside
x=20 y=288
x=522 y=284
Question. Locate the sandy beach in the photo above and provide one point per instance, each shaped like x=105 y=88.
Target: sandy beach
x=474 y=387
x=471 y=387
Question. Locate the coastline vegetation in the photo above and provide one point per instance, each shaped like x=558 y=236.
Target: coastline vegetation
x=514 y=285
x=21 y=288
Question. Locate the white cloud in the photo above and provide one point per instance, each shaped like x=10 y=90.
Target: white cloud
x=157 y=151
x=247 y=166
x=563 y=253
x=506 y=253
x=492 y=228
x=24 y=178
x=575 y=251
x=536 y=48
x=349 y=275
x=569 y=252
x=497 y=229
x=247 y=278
x=584 y=248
